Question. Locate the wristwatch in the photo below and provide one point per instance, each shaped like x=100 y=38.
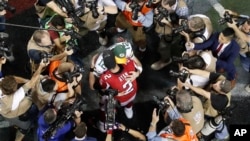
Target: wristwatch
x=91 y=69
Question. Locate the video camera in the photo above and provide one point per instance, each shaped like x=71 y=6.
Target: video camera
x=182 y=74
x=228 y=18
x=5 y=6
x=163 y=13
x=135 y=9
x=110 y=110
x=64 y=114
x=92 y=5
x=72 y=13
x=5 y=46
x=69 y=76
x=182 y=27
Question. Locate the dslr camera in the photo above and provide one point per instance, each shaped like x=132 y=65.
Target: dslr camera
x=228 y=18
x=92 y=5
x=182 y=74
x=45 y=56
x=161 y=103
x=163 y=13
x=182 y=27
x=5 y=6
x=69 y=76
x=135 y=9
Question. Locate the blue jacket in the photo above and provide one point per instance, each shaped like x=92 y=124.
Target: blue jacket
x=60 y=133
x=226 y=59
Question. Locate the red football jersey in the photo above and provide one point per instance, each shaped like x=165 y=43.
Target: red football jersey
x=118 y=81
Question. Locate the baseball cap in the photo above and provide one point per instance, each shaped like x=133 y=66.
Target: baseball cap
x=225 y=86
x=109 y=59
x=120 y=54
x=219 y=101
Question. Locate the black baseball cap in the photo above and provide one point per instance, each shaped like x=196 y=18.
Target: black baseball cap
x=219 y=101
x=109 y=59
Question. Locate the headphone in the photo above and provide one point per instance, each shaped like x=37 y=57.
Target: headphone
x=199 y=33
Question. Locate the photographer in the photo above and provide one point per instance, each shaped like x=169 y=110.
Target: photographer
x=217 y=96
x=81 y=133
x=64 y=35
x=199 y=28
x=16 y=104
x=203 y=60
x=46 y=8
x=48 y=117
x=54 y=24
x=191 y=109
x=224 y=48
x=242 y=32
x=40 y=46
x=96 y=17
x=45 y=93
x=64 y=73
x=175 y=9
x=178 y=129
x=135 y=16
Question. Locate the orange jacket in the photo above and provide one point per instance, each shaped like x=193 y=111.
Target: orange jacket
x=188 y=135
x=62 y=86
x=128 y=15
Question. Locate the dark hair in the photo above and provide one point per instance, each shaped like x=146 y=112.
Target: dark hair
x=80 y=130
x=195 y=62
x=178 y=127
x=8 y=85
x=49 y=116
x=48 y=85
x=228 y=32
x=57 y=20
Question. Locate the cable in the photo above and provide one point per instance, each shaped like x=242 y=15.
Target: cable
x=31 y=27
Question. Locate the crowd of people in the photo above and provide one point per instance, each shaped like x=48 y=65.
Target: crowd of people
x=206 y=73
